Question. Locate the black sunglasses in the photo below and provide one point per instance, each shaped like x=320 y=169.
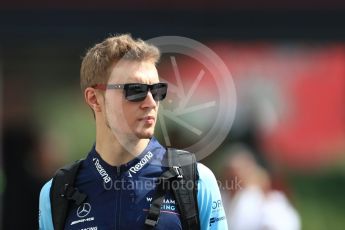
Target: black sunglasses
x=136 y=91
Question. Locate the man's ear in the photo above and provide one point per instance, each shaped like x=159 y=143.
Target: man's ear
x=92 y=99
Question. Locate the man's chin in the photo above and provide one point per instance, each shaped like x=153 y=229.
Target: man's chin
x=144 y=135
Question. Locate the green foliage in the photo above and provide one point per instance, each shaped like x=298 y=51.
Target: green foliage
x=320 y=200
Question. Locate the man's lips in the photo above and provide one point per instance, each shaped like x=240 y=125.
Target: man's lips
x=148 y=119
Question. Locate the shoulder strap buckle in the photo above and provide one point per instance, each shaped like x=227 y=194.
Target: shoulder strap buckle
x=71 y=193
x=150 y=222
x=178 y=170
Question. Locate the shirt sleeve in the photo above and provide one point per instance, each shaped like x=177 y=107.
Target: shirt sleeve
x=45 y=216
x=211 y=210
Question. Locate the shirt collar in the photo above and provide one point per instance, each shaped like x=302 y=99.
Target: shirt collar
x=152 y=154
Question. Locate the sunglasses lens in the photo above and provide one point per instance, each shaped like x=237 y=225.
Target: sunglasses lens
x=136 y=92
x=159 y=91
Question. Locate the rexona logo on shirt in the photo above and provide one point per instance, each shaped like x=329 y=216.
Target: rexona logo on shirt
x=101 y=170
x=136 y=168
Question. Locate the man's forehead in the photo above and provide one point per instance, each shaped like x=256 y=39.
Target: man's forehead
x=133 y=71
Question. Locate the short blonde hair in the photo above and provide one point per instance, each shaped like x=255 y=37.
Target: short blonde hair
x=95 y=67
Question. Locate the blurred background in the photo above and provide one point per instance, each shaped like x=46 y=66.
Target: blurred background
x=287 y=60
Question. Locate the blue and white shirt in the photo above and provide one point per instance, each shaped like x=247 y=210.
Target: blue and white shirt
x=120 y=197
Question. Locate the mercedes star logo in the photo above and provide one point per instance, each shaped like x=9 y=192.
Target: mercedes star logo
x=83 y=210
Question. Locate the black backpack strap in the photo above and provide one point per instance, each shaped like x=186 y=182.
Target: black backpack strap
x=62 y=193
x=182 y=170
x=163 y=184
x=186 y=194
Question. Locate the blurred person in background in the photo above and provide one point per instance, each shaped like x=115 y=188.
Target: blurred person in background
x=252 y=204
x=28 y=158
x=20 y=146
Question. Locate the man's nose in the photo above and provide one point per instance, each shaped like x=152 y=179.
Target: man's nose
x=149 y=101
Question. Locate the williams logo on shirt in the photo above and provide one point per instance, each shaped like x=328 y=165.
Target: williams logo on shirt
x=168 y=205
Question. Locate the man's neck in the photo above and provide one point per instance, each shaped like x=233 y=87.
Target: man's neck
x=116 y=152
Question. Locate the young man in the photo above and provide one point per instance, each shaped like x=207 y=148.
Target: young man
x=120 y=83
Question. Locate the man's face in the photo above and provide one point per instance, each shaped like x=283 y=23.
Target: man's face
x=126 y=119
